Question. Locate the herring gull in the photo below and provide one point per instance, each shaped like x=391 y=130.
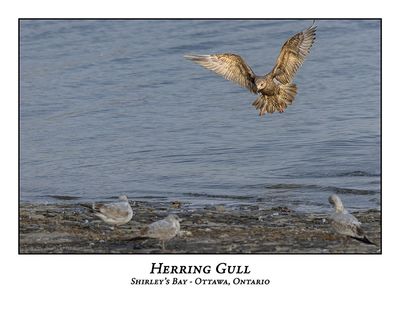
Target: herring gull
x=345 y=223
x=276 y=90
x=116 y=213
x=163 y=230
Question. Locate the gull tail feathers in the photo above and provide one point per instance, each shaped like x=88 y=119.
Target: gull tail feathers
x=364 y=240
x=141 y=234
x=264 y=105
x=278 y=102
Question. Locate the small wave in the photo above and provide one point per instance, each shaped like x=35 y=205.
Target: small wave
x=338 y=190
x=123 y=60
x=329 y=174
x=158 y=197
x=220 y=196
x=353 y=191
x=64 y=197
x=289 y=186
x=358 y=174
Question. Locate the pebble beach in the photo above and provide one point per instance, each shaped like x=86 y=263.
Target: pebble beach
x=244 y=229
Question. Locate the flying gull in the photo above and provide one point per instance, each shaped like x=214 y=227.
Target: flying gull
x=116 y=213
x=163 y=230
x=276 y=90
x=345 y=223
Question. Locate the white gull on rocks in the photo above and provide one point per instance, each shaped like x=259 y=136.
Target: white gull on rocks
x=163 y=230
x=116 y=213
x=345 y=223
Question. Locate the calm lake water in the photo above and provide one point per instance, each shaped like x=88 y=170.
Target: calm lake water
x=110 y=107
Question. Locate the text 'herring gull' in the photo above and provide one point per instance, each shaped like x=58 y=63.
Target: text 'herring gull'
x=276 y=90
x=116 y=213
x=345 y=223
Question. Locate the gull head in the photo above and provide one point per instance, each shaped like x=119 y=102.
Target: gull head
x=335 y=201
x=123 y=198
x=173 y=218
x=260 y=83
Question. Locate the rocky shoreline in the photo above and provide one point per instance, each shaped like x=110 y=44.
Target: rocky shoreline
x=70 y=229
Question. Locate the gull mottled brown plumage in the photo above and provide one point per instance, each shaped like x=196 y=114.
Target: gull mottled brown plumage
x=276 y=89
x=163 y=230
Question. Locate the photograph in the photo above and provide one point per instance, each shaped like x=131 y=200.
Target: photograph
x=183 y=136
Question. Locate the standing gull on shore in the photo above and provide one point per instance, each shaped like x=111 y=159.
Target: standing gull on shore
x=163 y=230
x=345 y=223
x=276 y=89
x=116 y=213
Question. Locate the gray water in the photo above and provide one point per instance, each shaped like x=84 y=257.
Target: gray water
x=111 y=106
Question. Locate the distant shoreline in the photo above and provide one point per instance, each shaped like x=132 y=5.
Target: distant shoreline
x=61 y=228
